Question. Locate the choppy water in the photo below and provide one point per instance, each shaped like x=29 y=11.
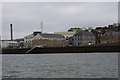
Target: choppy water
x=83 y=65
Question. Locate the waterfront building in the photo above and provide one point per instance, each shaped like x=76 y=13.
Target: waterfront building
x=110 y=37
x=82 y=38
x=28 y=40
x=45 y=40
x=20 y=42
x=8 y=44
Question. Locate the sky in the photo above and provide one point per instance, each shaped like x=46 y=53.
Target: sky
x=56 y=16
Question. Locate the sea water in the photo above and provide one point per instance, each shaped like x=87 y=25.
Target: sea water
x=70 y=65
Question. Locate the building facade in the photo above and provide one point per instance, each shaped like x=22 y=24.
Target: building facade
x=82 y=39
x=28 y=40
x=110 y=37
x=8 y=44
x=45 y=40
x=49 y=43
x=20 y=42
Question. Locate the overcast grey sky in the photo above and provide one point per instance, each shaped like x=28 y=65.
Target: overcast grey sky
x=56 y=16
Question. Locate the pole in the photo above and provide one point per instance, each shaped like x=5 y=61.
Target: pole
x=41 y=26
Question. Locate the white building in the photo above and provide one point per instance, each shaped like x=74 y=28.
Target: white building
x=28 y=40
x=8 y=43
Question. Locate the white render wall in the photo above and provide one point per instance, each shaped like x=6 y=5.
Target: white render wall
x=5 y=44
x=28 y=40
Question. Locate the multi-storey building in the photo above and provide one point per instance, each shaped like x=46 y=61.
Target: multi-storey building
x=82 y=38
x=45 y=40
x=110 y=37
x=8 y=44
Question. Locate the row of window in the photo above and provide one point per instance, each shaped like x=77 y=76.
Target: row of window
x=78 y=43
x=13 y=44
x=75 y=39
x=84 y=36
x=81 y=43
x=28 y=37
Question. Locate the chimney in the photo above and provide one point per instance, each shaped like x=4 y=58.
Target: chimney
x=11 y=31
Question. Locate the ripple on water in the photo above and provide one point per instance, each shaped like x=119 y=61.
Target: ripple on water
x=60 y=65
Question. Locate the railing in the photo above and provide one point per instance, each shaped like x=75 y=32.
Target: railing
x=31 y=49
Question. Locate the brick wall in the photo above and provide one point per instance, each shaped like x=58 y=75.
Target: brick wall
x=50 y=43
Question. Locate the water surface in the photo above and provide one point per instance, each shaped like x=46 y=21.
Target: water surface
x=82 y=65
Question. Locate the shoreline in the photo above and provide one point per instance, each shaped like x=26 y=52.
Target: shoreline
x=82 y=49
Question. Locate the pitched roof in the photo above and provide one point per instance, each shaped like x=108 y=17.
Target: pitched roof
x=112 y=33
x=45 y=35
x=52 y=36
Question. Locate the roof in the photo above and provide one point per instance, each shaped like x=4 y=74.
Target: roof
x=9 y=41
x=45 y=35
x=112 y=33
x=52 y=36
x=30 y=35
x=84 y=33
x=19 y=39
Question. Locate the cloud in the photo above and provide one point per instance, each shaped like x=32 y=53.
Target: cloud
x=56 y=16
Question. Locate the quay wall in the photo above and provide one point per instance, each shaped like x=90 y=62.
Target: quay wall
x=83 y=49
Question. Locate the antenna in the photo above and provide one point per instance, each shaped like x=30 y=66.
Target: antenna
x=41 y=26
